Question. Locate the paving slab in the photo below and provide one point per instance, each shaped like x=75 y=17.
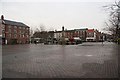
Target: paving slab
x=89 y=60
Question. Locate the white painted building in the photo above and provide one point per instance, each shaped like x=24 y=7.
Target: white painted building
x=91 y=35
x=91 y=38
x=58 y=35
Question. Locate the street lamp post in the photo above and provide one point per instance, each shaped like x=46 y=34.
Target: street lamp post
x=63 y=38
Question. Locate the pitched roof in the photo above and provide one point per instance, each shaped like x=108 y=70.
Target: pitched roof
x=90 y=30
x=9 y=22
x=69 y=30
x=57 y=31
x=81 y=29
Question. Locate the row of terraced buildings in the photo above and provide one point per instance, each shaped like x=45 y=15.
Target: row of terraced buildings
x=91 y=35
x=12 y=32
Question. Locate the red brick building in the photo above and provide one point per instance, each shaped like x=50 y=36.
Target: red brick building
x=76 y=33
x=14 y=32
x=94 y=35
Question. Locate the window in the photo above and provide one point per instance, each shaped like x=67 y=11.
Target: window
x=3 y=35
x=27 y=36
x=9 y=35
x=15 y=31
x=3 y=31
x=15 y=36
x=23 y=28
x=3 y=27
x=9 y=26
x=15 y=26
x=9 y=30
x=23 y=32
x=80 y=32
x=23 y=36
x=27 y=28
x=19 y=27
x=20 y=31
x=90 y=34
x=20 y=35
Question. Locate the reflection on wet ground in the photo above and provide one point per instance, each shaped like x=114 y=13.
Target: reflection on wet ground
x=57 y=61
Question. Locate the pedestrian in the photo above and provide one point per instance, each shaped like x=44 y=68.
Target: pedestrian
x=102 y=42
x=35 y=42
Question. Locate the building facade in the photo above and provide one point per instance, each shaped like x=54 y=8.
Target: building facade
x=82 y=34
x=76 y=33
x=44 y=37
x=14 y=32
x=70 y=36
x=94 y=35
x=58 y=35
x=91 y=35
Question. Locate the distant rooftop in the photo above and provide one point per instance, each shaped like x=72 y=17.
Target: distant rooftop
x=14 y=23
x=90 y=30
x=81 y=29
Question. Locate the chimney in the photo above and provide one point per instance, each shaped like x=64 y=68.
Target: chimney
x=2 y=17
x=55 y=30
x=63 y=28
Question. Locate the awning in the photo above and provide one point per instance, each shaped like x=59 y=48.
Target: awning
x=77 y=38
x=37 y=38
x=66 y=39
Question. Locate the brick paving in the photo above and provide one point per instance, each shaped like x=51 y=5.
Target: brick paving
x=89 y=60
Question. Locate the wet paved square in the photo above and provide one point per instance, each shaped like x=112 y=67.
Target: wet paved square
x=87 y=60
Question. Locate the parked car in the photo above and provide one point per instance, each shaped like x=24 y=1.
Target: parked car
x=77 y=40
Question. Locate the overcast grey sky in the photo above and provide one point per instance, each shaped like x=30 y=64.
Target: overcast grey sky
x=73 y=14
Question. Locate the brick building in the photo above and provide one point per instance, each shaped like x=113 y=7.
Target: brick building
x=70 y=36
x=81 y=33
x=14 y=32
x=76 y=33
x=91 y=35
x=94 y=35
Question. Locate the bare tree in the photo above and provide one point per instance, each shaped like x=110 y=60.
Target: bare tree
x=37 y=30
x=31 y=32
x=114 y=20
x=51 y=29
x=41 y=33
x=42 y=27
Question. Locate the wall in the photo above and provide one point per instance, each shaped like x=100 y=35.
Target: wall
x=16 y=34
